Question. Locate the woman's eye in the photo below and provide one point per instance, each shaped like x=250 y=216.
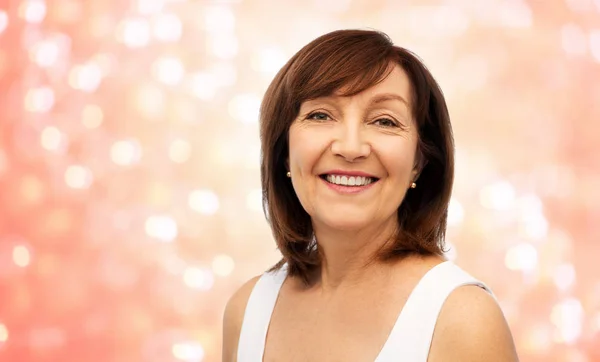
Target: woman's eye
x=319 y=116
x=386 y=122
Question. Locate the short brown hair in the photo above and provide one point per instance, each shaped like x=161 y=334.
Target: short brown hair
x=355 y=60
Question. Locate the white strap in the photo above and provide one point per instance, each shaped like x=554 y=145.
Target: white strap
x=257 y=316
x=410 y=338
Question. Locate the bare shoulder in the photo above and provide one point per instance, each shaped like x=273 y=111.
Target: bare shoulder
x=233 y=318
x=472 y=327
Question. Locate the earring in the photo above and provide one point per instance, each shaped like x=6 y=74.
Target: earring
x=288 y=174
x=413 y=185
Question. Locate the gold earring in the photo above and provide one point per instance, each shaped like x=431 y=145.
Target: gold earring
x=289 y=174
x=413 y=185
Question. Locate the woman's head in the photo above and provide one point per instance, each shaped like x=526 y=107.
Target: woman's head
x=351 y=102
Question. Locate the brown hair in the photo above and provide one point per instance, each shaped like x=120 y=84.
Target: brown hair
x=354 y=60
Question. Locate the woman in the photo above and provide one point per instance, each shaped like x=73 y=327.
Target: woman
x=357 y=172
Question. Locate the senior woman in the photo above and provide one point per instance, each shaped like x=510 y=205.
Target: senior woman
x=357 y=170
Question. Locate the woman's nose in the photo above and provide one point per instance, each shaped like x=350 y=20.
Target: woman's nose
x=350 y=144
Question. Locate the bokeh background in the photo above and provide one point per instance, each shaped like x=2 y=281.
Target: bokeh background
x=130 y=201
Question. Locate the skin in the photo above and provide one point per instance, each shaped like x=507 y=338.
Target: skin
x=354 y=133
x=351 y=304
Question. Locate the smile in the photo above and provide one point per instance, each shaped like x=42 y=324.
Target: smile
x=348 y=184
x=349 y=180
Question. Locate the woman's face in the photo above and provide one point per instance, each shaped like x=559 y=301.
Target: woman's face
x=352 y=158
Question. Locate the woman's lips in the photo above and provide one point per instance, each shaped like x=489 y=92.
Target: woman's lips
x=348 y=190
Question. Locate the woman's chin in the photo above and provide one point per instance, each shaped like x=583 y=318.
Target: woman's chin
x=346 y=222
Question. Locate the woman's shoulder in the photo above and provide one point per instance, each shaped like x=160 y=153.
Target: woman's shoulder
x=233 y=318
x=471 y=327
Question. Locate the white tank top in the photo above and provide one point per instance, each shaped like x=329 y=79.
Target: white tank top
x=410 y=337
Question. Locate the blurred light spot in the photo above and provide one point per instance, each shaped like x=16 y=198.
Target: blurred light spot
x=105 y=62
x=254 y=200
x=580 y=6
x=515 y=14
x=451 y=20
x=498 y=196
x=555 y=180
x=21 y=256
x=185 y=110
x=473 y=70
x=47 y=338
x=31 y=189
x=268 y=61
x=535 y=226
x=168 y=70
x=188 y=351
x=52 y=139
x=173 y=264
x=573 y=39
x=204 y=202
x=3 y=162
x=58 y=222
x=533 y=223
x=46 y=265
x=45 y=53
x=564 y=276
x=595 y=323
x=167 y=27
x=574 y=354
x=334 y=6
x=436 y=21
x=251 y=157
x=522 y=257
x=147 y=7
x=150 y=101
x=85 y=77
x=163 y=228
x=180 y=151
x=219 y=20
x=223 y=46
x=3 y=21
x=116 y=274
x=456 y=213
x=538 y=338
x=69 y=11
x=125 y=152
x=33 y=11
x=92 y=116
x=121 y=220
x=203 y=86
x=224 y=73
x=530 y=204
x=134 y=32
x=39 y=100
x=198 y=278
x=595 y=44
x=158 y=194
x=245 y=108
x=3 y=334
x=223 y=265
x=103 y=25
x=567 y=317
x=78 y=177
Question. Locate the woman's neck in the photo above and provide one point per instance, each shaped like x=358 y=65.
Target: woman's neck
x=348 y=258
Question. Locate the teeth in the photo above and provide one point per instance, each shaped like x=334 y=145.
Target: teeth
x=349 y=180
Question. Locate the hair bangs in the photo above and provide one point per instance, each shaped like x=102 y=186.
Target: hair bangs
x=340 y=66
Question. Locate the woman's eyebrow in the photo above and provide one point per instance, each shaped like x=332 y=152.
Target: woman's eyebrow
x=384 y=97
x=379 y=98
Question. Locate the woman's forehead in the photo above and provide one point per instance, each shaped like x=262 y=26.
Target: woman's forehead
x=395 y=87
